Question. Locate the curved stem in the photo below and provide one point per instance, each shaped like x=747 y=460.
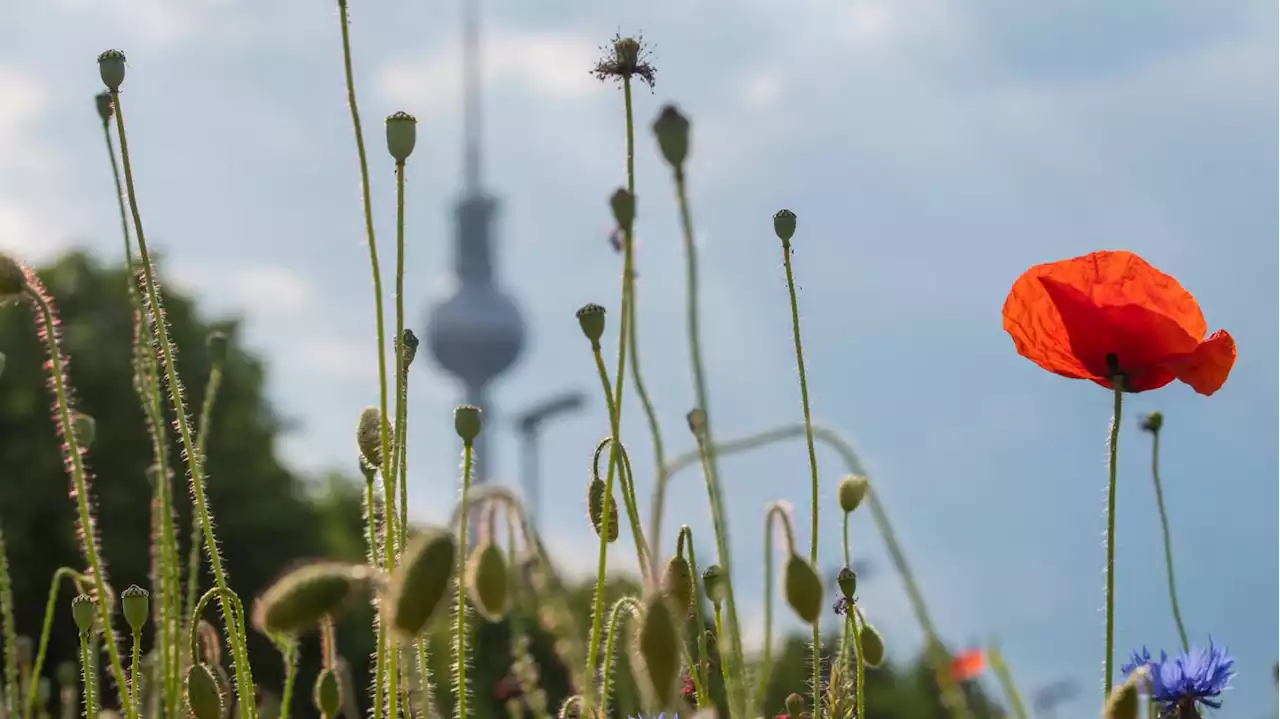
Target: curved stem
x=1168 y=544
x=33 y=684
x=631 y=607
x=289 y=651
x=460 y=621
x=698 y=671
x=627 y=478
x=775 y=511
x=651 y=417
x=1112 y=448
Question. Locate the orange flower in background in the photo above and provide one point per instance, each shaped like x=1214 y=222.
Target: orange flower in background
x=1110 y=314
x=968 y=665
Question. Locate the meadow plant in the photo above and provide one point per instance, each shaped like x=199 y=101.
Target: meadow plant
x=1085 y=318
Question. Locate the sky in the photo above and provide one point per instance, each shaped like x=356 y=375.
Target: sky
x=932 y=150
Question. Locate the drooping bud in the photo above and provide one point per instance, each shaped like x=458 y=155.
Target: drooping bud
x=467 y=422
x=223 y=680
x=851 y=491
x=677 y=584
x=591 y=320
x=803 y=588
x=84 y=611
x=1123 y=702
x=784 y=225
x=300 y=599
x=848 y=582
x=85 y=428
x=410 y=343
x=103 y=102
x=136 y=605
x=111 y=68
x=369 y=436
x=624 y=208
x=595 y=510
x=658 y=648
x=1152 y=422
x=872 y=645
x=327 y=694
x=13 y=280
x=419 y=583
x=715 y=584
x=486 y=581
x=794 y=704
x=201 y=693
x=402 y=135
x=217 y=342
x=672 y=131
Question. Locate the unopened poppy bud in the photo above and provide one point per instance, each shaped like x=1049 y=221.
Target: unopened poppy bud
x=486 y=581
x=591 y=320
x=327 y=694
x=672 y=130
x=595 y=510
x=697 y=420
x=217 y=347
x=467 y=422
x=136 y=605
x=223 y=680
x=410 y=343
x=201 y=693
x=419 y=582
x=803 y=588
x=714 y=583
x=85 y=428
x=300 y=599
x=13 y=280
x=1152 y=422
x=677 y=583
x=794 y=704
x=784 y=225
x=402 y=135
x=369 y=436
x=111 y=68
x=103 y=102
x=624 y=208
x=872 y=645
x=658 y=647
x=851 y=491
x=84 y=611
x=848 y=582
x=1123 y=702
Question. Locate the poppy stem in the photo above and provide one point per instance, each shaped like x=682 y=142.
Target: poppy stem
x=1112 y=445
x=1168 y=547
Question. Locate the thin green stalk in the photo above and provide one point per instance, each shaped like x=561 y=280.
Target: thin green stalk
x=699 y=672
x=134 y=675
x=855 y=617
x=1112 y=447
x=89 y=677
x=651 y=417
x=202 y=440
x=460 y=621
x=289 y=651
x=1168 y=544
x=844 y=635
x=195 y=462
x=8 y=629
x=631 y=607
x=373 y=556
x=816 y=658
x=627 y=479
x=775 y=511
x=1011 y=693
x=37 y=668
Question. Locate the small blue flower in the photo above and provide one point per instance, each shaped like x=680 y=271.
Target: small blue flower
x=1182 y=681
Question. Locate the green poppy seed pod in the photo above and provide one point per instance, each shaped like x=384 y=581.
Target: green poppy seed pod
x=672 y=131
x=595 y=510
x=201 y=694
x=851 y=491
x=624 y=208
x=803 y=588
x=677 y=583
x=872 y=645
x=402 y=135
x=714 y=583
x=84 y=611
x=85 y=428
x=136 y=605
x=420 y=582
x=410 y=342
x=591 y=320
x=300 y=599
x=13 y=280
x=111 y=68
x=1123 y=702
x=784 y=225
x=626 y=51
x=658 y=647
x=467 y=422
x=848 y=582
x=327 y=694
x=103 y=102
x=486 y=580
x=1152 y=422
x=217 y=342
x=794 y=704
x=369 y=436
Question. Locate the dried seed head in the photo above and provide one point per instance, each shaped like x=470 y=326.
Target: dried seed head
x=851 y=491
x=591 y=320
x=595 y=510
x=1123 y=702
x=467 y=422
x=201 y=693
x=1152 y=422
x=657 y=644
x=103 y=102
x=872 y=645
x=84 y=611
x=623 y=204
x=784 y=225
x=803 y=588
x=300 y=599
x=111 y=68
x=85 y=428
x=624 y=59
x=486 y=581
x=13 y=279
x=369 y=436
x=217 y=342
x=677 y=583
x=410 y=342
x=672 y=131
x=420 y=582
x=794 y=704
x=327 y=694
x=402 y=134
x=135 y=602
x=714 y=583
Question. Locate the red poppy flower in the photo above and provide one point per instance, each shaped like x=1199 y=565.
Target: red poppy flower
x=968 y=665
x=1110 y=314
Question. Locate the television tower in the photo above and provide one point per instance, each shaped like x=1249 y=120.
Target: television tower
x=476 y=333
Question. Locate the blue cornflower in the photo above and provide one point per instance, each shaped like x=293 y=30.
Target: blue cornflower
x=1182 y=681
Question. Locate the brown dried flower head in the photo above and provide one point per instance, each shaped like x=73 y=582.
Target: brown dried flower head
x=626 y=58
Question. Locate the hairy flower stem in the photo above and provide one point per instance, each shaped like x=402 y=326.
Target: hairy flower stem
x=1168 y=544
x=1112 y=449
x=856 y=622
x=202 y=440
x=8 y=632
x=816 y=659
x=195 y=461
x=134 y=673
x=289 y=652
x=775 y=512
x=37 y=668
x=699 y=670
x=460 y=620
x=1011 y=693
x=88 y=676
x=625 y=607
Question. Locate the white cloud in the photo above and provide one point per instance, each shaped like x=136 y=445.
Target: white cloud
x=763 y=89
x=27 y=168
x=158 y=22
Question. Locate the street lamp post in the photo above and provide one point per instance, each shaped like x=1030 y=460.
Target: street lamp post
x=529 y=425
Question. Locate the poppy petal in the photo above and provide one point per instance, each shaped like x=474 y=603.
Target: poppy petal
x=1118 y=278
x=1036 y=327
x=1206 y=368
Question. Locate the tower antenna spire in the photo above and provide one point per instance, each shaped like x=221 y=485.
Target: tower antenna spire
x=471 y=84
